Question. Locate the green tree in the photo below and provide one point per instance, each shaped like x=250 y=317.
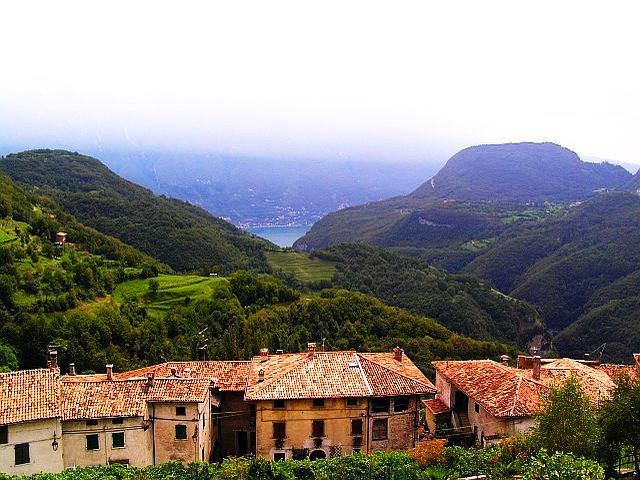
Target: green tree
x=567 y=421
x=8 y=359
x=620 y=422
x=154 y=285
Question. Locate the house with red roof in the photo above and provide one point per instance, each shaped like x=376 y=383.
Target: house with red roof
x=323 y=404
x=489 y=400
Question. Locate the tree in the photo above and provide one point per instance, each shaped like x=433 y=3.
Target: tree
x=154 y=284
x=567 y=421
x=620 y=422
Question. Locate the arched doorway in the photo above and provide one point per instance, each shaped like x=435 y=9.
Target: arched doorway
x=316 y=454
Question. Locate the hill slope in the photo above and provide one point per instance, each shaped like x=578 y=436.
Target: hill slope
x=462 y=303
x=581 y=269
x=179 y=234
x=469 y=198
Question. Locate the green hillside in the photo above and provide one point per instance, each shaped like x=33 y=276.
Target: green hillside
x=473 y=197
x=184 y=236
x=580 y=269
x=462 y=303
x=304 y=267
x=172 y=290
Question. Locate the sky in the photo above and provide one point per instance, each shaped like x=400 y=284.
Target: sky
x=390 y=81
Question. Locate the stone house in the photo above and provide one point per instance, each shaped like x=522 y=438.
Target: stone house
x=334 y=403
x=490 y=400
x=136 y=421
x=30 y=422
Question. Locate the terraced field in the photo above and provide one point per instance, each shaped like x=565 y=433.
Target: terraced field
x=301 y=265
x=172 y=290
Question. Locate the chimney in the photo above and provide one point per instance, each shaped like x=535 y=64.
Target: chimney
x=187 y=372
x=174 y=372
x=279 y=351
x=587 y=357
x=110 y=372
x=264 y=354
x=537 y=361
x=52 y=361
x=150 y=377
x=504 y=359
x=72 y=369
x=261 y=375
x=397 y=354
x=311 y=349
x=636 y=357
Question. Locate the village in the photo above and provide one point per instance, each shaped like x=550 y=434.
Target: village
x=315 y=404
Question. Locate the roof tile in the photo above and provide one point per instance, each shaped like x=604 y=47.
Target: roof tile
x=28 y=395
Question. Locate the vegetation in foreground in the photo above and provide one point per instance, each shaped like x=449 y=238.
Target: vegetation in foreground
x=440 y=464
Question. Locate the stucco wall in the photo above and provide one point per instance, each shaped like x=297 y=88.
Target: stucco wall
x=299 y=415
x=137 y=450
x=443 y=391
x=39 y=435
x=167 y=447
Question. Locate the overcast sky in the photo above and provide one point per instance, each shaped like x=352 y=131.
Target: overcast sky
x=392 y=80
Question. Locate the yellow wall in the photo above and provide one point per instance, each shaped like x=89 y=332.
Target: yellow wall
x=39 y=435
x=299 y=415
x=137 y=449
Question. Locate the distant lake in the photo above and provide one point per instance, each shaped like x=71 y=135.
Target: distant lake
x=281 y=236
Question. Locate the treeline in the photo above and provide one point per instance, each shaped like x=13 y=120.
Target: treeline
x=462 y=303
x=179 y=234
x=245 y=314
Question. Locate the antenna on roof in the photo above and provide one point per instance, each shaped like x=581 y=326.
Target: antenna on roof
x=599 y=350
x=323 y=339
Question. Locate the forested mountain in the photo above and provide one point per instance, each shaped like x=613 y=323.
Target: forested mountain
x=462 y=303
x=39 y=276
x=471 y=198
x=581 y=269
x=184 y=236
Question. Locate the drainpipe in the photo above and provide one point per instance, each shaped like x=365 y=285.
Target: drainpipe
x=153 y=431
x=367 y=423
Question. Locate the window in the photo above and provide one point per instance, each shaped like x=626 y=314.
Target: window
x=279 y=430
x=317 y=428
x=356 y=426
x=181 y=432
x=278 y=404
x=92 y=423
x=279 y=456
x=181 y=411
x=117 y=439
x=379 y=405
x=4 y=434
x=379 y=429
x=318 y=402
x=93 y=442
x=22 y=453
x=117 y=421
x=476 y=407
x=202 y=454
x=352 y=402
x=401 y=404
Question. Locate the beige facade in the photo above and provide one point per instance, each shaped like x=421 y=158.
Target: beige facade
x=347 y=426
x=32 y=441
x=107 y=440
x=181 y=432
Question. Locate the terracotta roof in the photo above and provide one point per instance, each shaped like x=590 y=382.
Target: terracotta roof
x=229 y=376
x=333 y=375
x=28 y=395
x=126 y=398
x=597 y=383
x=187 y=390
x=499 y=389
x=436 y=406
x=102 y=399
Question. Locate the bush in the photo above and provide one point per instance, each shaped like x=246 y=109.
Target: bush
x=561 y=466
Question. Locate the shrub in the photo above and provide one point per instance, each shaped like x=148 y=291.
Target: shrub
x=563 y=466
x=428 y=451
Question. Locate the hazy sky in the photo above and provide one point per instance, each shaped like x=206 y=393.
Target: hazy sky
x=381 y=80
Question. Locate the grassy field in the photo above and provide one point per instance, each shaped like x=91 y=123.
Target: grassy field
x=173 y=289
x=300 y=265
